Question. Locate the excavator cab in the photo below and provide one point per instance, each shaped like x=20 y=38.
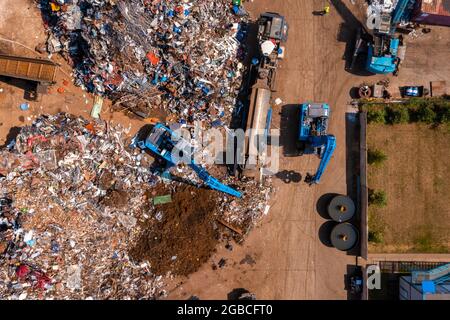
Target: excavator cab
x=273 y=26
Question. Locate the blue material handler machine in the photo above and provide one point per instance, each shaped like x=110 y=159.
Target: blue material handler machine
x=313 y=136
x=167 y=145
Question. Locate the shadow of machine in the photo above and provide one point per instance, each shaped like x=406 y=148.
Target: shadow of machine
x=349 y=33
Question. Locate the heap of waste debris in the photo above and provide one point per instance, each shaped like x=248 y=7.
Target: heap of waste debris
x=83 y=216
x=182 y=56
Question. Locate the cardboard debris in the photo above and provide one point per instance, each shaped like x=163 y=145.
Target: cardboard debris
x=162 y=199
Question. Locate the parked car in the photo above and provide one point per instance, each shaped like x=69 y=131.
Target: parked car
x=414 y=91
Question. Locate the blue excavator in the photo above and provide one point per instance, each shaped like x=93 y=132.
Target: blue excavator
x=171 y=149
x=385 y=49
x=383 y=52
x=314 y=138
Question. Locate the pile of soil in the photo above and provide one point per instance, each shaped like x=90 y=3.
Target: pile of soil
x=185 y=235
x=115 y=199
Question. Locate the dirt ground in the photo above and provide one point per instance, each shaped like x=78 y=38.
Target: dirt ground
x=417 y=215
x=286 y=256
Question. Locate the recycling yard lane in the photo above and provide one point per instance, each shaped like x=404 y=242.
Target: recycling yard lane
x=292 y=262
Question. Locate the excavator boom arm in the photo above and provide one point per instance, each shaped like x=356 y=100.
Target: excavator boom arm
x=330 y=145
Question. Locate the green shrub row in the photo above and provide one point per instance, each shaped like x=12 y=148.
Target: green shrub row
x=424 y=110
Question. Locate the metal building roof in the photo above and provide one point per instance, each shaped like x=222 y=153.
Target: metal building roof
x=439 y=7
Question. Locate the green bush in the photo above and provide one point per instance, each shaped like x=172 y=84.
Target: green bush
x=376 y=115
x=443 y=114
x=376 y=236
x=397 y=115
x=375 y=157
x=425 y=114
x=377 y=198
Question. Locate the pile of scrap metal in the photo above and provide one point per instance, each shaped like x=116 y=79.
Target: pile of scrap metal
x=180 y=56
x=74 y=199
x=74 y=193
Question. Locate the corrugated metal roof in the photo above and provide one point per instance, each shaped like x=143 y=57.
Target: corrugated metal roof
x=439 y=7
